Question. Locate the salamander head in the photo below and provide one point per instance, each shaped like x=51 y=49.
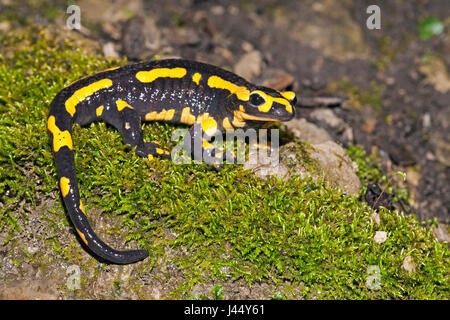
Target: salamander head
x=265 y=104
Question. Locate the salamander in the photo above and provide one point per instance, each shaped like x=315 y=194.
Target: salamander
x=173 y=90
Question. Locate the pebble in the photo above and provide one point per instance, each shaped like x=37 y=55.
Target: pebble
x=409 y=265
x=441 y=233
x=380 y=237
x=109 y=50
x=277 y=79
x=250 y=65
x=426 y=120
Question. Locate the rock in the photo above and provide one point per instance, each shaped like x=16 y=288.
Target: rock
x=184 y=37
x=426 y=120
x=339 y=169
x=265 y=170
x=380 y=237
x=441 y=233
x=369 y=125
x=328 y=117
x=409 y=265
x=112 y=30
x=277 y=79
x=399 y=153
x=413 y=176
x=324 y=154
x=436 y=73
x=328 y=101
x=109 y=50
x=140 y=38
x=307 y=131
x=5 y=26
x=441 y=149
x=376 y=218
x=325 y=160
x=250 y=65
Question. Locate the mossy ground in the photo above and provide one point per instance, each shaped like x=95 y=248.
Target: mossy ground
x=306 y=239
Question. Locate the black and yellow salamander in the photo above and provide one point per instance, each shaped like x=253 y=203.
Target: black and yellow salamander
x=173 y=90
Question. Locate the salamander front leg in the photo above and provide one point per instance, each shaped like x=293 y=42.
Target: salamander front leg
x=131 y=130
x=199 y=144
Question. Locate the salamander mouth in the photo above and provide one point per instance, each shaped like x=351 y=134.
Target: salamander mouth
x=245 y=116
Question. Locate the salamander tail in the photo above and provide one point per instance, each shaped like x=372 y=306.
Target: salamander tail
x=60 y=126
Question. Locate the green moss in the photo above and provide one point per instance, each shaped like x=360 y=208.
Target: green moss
x=221 y=226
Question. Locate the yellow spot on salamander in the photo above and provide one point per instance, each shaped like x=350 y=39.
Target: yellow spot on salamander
x=82 y=208
x=163 y=115
x=196 y=77
x=241 y=92
x=82 y=236
x=187 y=117
x=60 y=138
x=85 y=92
x=206 y=144
x=209 y=125
x=151 y=116
x=290 y=95
x=238 y=121
x=152 y=75
x=99 y=111
x=122 y=105
x=150 y=157
x=227 y=124
x=162 y=151
x=111 y=69
x=64 y=185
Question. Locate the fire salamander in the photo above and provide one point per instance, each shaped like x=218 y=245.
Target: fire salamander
x=173 y=90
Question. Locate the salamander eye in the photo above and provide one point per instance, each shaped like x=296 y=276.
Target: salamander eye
x=256 y=99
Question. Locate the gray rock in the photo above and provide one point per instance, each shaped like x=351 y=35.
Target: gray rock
x=441 y=233
x=307 y=131
x=325 y=160
x=328 y=117
x=250 y=65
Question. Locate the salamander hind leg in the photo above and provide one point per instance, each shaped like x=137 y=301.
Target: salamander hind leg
x=128 y=122
x=150 y=149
